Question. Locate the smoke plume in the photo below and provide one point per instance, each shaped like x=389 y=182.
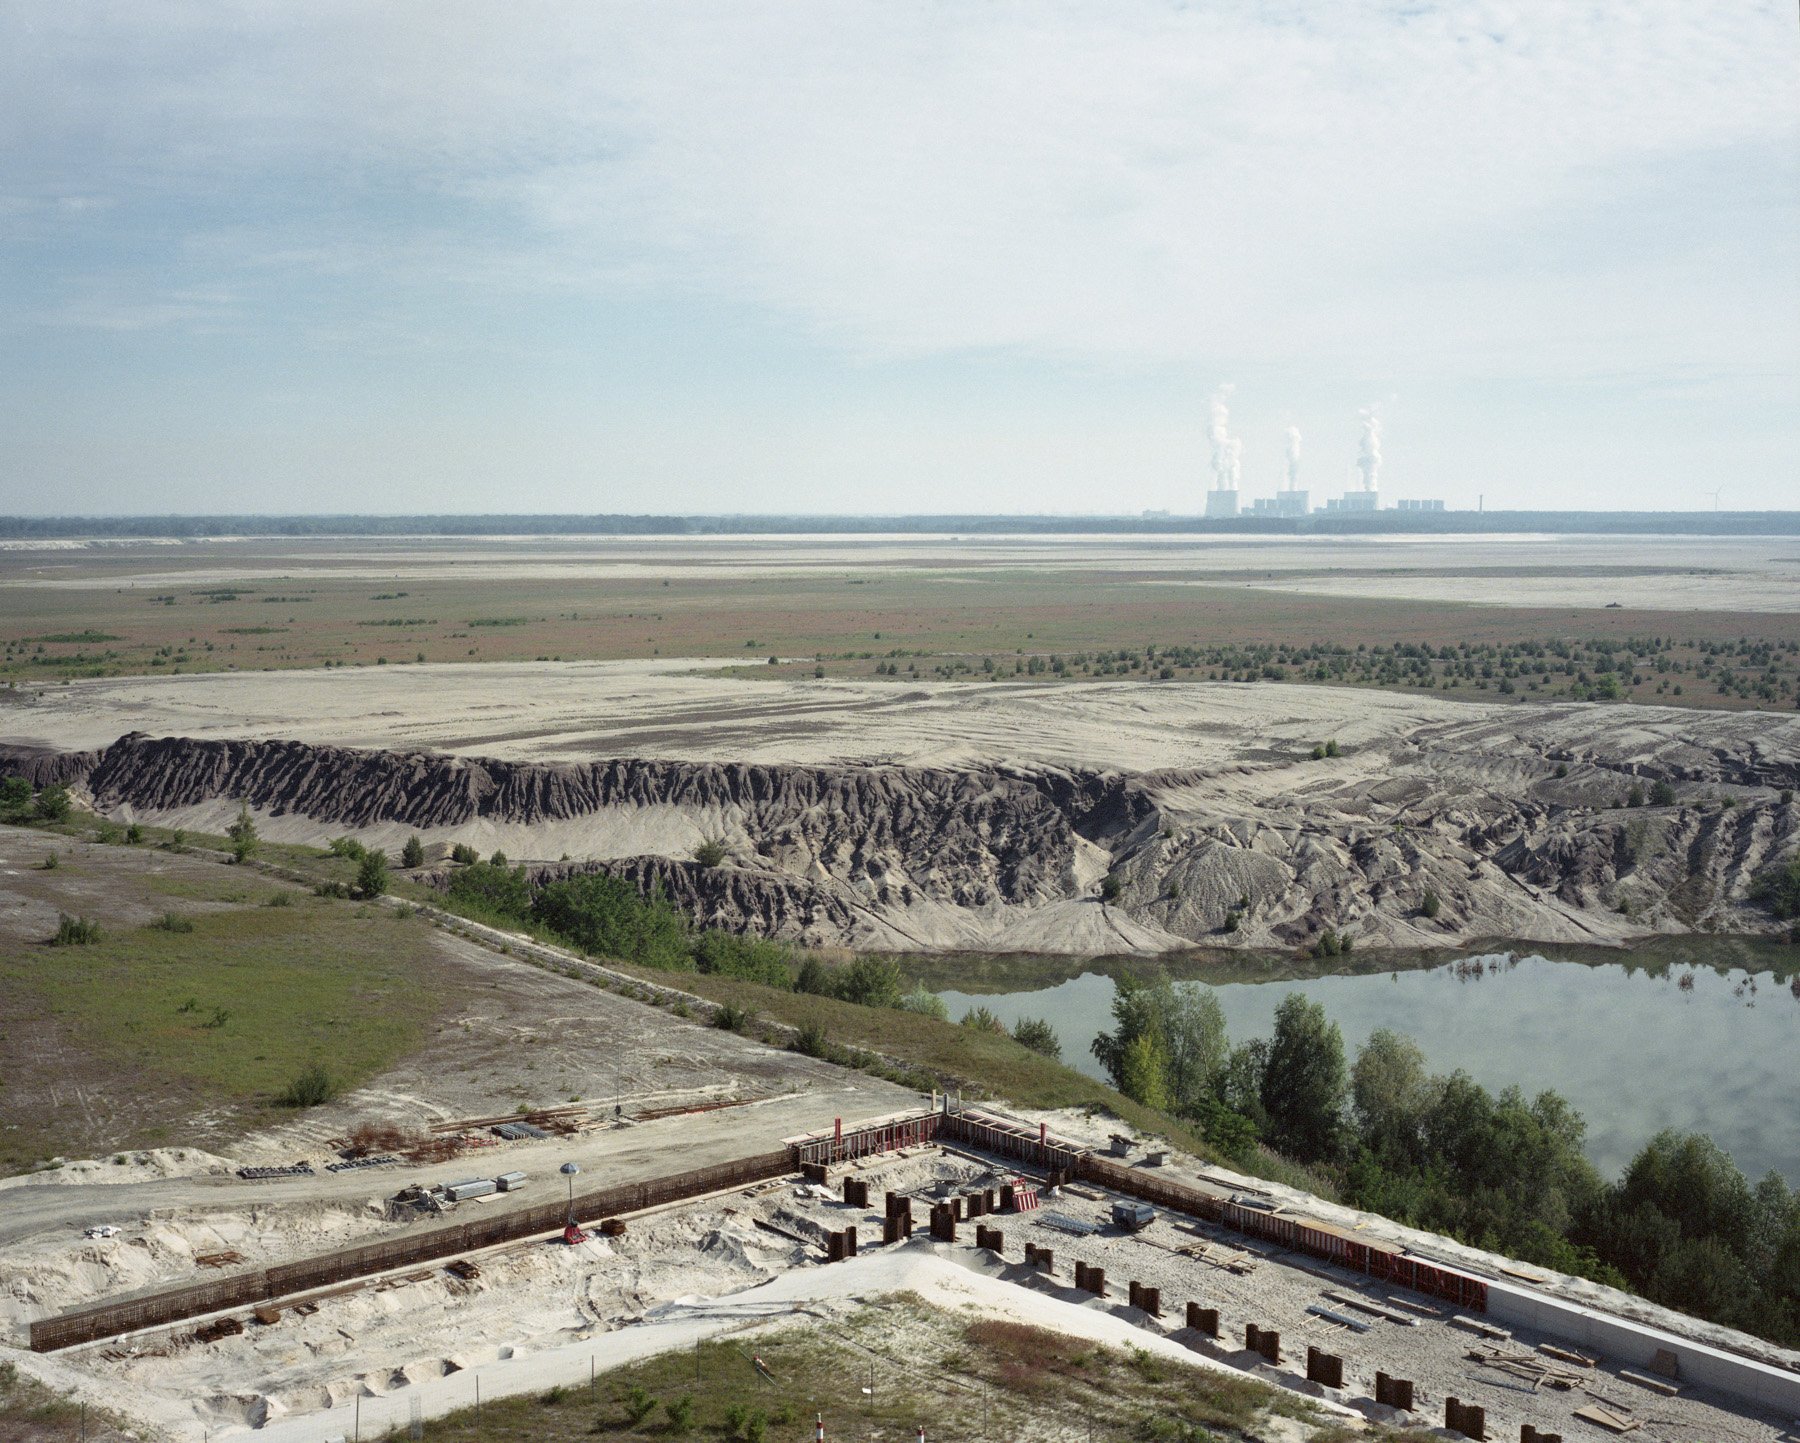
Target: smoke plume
x=1226 y=449
x=1368 y=459
x=1293 y=457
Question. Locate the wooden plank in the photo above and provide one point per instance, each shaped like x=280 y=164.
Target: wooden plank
x=1363 y=1305
x=1606 y=1418
x=1655 y=1385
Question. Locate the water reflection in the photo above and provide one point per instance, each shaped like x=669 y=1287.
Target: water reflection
x=1677 y=1034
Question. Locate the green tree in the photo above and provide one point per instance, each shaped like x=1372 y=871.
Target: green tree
x=413 y=853
x=1239 y=1083
x=15 y=797
x=242 y=834
x=1144 y=1071
x=982 y=1019
x=52 y=804
x=1304 y=1082
x=1390 y=1094
x=372 y=873
x=1187 y=1027
x=605 y=916
x=870 y=981
x=490 y=892
x=1690 y=1179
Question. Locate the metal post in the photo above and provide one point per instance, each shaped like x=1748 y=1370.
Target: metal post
x=358 y=1429
x=478 y=1405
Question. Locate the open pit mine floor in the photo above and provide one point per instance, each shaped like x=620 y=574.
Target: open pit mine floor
x=996 y=816
x=748 y=1266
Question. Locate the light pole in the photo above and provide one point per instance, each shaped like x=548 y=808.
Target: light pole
x=569 y=1170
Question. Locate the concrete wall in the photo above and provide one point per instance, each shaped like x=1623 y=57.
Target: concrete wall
x=1636 y=1344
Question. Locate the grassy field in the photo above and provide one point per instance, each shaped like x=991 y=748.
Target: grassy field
x=964 y=1380
x=209 y=990
x=32 y=1413
x=905 y=623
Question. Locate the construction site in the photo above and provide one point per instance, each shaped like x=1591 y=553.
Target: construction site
x=456 y=1285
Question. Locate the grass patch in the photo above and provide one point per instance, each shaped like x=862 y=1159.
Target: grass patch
x=896 y=1364
x=30 y=1412
x=981 y=1063
x=217 y=1019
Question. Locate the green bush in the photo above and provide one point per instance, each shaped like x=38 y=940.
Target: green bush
x=926 y=1003
x=732 y=1018
x=1110 y=887
x=463 y=854
x=372 y=873
x=242 y=834
x=347 y=847
x=52 y=804
x=311 y=1088
x=491 y=893
x=1432 y=904
x=75 y=932
x=710 y=852
x=173 y=922
x=868 y=981
x=1662 y=795
x=1039 y=1036
x=638 y=1404
x=754 y=959
x=15 y=798
x=134 y=834
x=680 y=1413
x=1778 y=889
x=606 y=917
x=413 y=853
x=812 y=1041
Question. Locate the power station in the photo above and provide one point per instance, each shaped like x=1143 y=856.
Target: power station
x=1292 y=500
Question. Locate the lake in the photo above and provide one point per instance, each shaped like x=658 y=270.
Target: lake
x=1698 y=1035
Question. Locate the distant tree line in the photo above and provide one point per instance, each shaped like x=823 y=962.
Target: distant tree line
x=1662 y=523
x=1682 y=1225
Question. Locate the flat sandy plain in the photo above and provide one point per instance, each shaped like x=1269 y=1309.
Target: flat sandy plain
x=1526 y=570
x=861 y=606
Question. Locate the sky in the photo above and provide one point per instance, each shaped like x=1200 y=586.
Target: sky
x=888 y=256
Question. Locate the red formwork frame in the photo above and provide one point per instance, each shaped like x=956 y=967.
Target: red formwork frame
x=887 y=1135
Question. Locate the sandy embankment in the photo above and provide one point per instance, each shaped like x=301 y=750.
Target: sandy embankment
x=985 y=815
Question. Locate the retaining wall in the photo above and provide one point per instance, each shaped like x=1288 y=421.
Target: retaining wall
x=1636 y=1345
x=108 y=1320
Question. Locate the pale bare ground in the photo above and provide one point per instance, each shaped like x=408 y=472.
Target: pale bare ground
x=689 y=710
x=1650 y=572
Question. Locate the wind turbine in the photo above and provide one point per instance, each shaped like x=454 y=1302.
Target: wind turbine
x=1715 y=497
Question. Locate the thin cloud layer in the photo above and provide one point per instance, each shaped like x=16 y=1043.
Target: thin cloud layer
x=1465 y=190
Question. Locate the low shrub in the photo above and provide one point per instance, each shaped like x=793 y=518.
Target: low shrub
x=75 y=932
x=311 y=1088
